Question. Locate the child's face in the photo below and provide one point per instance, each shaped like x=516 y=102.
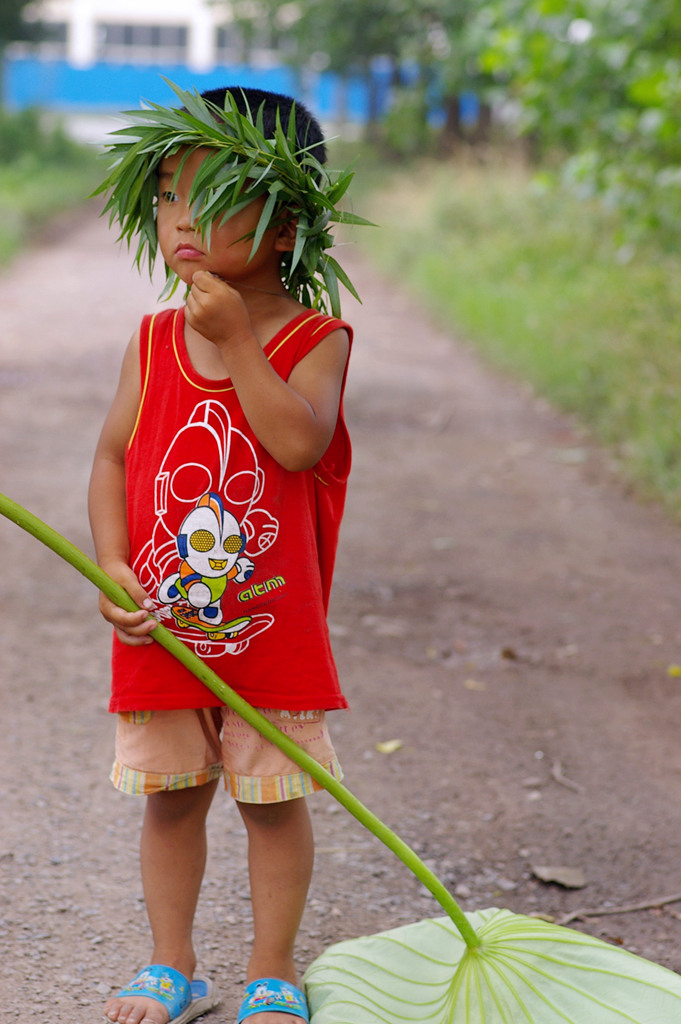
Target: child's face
x=181 y=244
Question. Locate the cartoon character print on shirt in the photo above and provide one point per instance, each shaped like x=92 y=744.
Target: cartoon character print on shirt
x=209 y=543
x=209 y=530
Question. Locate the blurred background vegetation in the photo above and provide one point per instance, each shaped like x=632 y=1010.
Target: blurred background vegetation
x=43 y=173
x=542 y=221
x=526 y=178
x=592 y=86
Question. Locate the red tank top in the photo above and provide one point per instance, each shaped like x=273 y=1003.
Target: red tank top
x=236 y=551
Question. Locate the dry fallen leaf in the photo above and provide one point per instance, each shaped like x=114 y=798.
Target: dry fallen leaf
x=569 y=878
x=388 y=746
x=475 y=684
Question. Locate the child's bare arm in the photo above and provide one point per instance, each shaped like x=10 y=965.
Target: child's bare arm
x=295 y=419
x=107 y=509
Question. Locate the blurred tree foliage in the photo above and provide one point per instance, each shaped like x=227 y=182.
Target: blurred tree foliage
x=598 y=81
x=594 y=84
x=13 y=24
x=429 y=46
x=27 y=139
x=16 y=24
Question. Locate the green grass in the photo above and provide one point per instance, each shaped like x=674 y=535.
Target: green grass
x=542 y=285
x=34 y=193
x=43 y=172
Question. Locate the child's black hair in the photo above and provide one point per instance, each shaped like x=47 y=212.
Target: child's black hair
x=309 y=134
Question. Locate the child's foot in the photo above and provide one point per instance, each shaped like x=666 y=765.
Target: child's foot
x=159 y=995
x=137 y=1010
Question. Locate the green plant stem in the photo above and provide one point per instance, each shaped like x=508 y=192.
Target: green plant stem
x=71 y=554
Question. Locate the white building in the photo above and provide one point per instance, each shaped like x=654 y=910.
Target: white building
x=102 y=56
x=196 y=33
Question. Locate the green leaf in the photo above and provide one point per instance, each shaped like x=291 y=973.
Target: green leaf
x=524 y=971
x=194 y=104
x=299 y=243
x=341 y=275
x=266 y=173
x=281 y=141
x=208 y=175
x=331 y=281
x=265 y=216
x=233 y=208
x=345 y=217
x=208 y=205
x=342 y=183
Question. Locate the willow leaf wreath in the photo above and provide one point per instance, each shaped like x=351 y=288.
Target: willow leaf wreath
x=242 y=166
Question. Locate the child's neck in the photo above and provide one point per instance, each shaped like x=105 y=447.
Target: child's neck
x=269 y=311
x=267 y=307
x=280 y=292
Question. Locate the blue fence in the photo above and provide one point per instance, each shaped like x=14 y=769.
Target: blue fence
x=103 y=87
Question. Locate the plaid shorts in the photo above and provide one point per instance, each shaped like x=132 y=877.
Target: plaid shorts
x=166 y=750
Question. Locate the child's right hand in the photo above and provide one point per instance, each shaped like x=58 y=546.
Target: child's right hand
x=132 y=628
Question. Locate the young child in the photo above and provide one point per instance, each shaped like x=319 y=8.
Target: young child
x=215 y=500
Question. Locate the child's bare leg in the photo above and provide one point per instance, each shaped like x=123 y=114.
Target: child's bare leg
x=173 y=859
x=280 y=859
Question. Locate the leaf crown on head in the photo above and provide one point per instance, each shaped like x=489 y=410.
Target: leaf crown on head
x=244 y=165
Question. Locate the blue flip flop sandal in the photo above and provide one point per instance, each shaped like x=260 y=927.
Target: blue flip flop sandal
x=271 y=994
x=184 y=1000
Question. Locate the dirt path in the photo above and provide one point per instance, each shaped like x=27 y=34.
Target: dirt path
x=501 y=607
